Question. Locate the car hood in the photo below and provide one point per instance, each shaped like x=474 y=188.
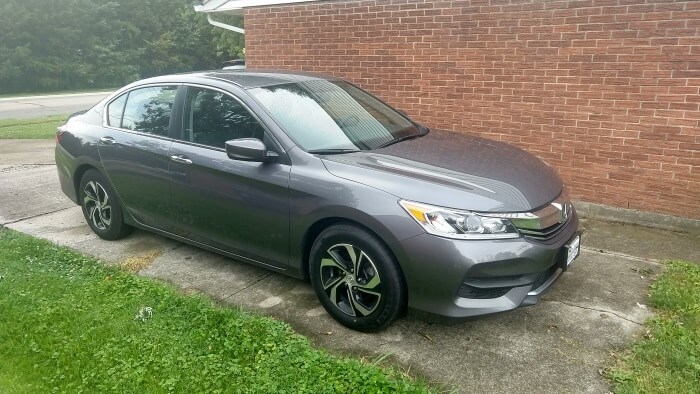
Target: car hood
x=454 y=170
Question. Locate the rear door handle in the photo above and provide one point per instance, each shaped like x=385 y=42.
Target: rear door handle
x=108 y=140
x=180 y=159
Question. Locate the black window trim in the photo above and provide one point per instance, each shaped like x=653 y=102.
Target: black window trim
x=178 y=134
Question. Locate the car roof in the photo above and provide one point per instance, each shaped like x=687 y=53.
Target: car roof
x=245 y=79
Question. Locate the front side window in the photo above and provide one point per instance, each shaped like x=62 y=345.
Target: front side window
x=212 y=118
x=325 y=115
x=148 y=110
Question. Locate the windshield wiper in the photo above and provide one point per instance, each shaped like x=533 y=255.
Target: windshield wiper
x=335 y=151
x=397 y=140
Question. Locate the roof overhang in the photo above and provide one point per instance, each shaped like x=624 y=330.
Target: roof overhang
x=236 y=7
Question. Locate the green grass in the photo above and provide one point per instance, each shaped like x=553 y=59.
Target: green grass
x=667 y=358
x=35 y=128
x=68 y=324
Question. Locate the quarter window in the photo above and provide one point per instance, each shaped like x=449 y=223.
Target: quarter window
x=148 y=110
x=115 y=110
x=212 y=118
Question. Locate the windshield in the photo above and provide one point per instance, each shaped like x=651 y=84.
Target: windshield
x=331 y=116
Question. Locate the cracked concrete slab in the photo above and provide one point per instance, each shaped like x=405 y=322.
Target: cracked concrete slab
x=556 y=346
x=643 y=242
x=18 y=152
x=68 y=228
x=28 y=180
x=191 y=268
x=30 y=191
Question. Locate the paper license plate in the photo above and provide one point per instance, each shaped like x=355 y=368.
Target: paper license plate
x=573 y=249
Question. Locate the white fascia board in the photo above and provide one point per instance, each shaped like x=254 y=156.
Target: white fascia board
x=236 y=6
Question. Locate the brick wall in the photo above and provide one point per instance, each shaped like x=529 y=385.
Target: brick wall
x=606 y=91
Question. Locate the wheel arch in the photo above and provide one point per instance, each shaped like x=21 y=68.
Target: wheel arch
x=320 y=225
x=78 y=176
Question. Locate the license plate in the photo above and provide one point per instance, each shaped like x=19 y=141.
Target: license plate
x=572 y=250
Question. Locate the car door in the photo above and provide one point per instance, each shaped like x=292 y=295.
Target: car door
x=237 y=206
x=134 y=152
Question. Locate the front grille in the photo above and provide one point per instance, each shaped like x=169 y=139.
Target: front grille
x=546 y=222
x=467 y=291
x=545 y=233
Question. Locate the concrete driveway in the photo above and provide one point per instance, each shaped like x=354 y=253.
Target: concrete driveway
x=559 y=345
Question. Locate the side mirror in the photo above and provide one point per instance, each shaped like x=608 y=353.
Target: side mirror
x=246 y=149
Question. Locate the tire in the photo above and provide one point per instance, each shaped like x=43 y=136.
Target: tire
x=101 y=208
x=356 y=278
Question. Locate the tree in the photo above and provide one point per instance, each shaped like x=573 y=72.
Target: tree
x=74 y=44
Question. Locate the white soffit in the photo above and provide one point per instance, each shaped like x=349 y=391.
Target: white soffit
x=235 y=7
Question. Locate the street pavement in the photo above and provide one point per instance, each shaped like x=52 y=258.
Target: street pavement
x=559 y=345
x=56 y=104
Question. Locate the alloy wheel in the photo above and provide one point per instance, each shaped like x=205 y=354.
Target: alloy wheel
x=97 y=205
x=351 y=280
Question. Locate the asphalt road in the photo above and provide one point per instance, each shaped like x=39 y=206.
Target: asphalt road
x=557 y=346
x=38 y=106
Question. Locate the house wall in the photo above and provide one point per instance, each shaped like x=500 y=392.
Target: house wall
x=606 y=91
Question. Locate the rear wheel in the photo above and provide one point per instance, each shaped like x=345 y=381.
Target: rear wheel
x=101 y=208
x=356 y=278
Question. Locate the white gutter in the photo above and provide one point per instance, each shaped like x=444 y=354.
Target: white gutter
x=224 y=25
x=235 y=7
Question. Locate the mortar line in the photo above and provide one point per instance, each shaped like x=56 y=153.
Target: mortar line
x=595 y=310
x=36 y=216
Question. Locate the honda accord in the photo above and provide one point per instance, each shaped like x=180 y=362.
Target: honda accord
x=312 y=177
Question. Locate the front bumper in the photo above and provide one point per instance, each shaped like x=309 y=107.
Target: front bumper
x=458 y=279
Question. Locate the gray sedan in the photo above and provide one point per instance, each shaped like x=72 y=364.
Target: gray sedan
x=315 y=178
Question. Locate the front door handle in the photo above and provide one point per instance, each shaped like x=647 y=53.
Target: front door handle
x=108 y=140
x=180 y=159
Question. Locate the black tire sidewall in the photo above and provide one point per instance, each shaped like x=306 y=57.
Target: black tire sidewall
x=392 y=302
x=116 y=228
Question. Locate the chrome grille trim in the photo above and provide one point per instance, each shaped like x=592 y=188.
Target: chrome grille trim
x=546 y=222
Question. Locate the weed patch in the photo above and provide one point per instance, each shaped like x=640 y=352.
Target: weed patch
x=70 y=324
x=667 y=358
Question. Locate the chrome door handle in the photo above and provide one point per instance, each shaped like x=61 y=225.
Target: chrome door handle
x=108 y=140
x=180 y=159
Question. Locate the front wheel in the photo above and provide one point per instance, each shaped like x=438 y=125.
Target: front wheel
x=101 y=208
x=356 y=278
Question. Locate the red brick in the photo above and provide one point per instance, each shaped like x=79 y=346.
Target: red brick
x=605 y=91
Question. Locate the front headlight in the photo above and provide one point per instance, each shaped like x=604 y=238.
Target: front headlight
x=459 y=224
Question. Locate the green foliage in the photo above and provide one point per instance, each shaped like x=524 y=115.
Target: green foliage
x=70 y=324
x=667 y=359
x=50 y=45
x=35 y=128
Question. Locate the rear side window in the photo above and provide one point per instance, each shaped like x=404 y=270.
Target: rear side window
x=147 y=110
x=115 y=111
x=212 y=118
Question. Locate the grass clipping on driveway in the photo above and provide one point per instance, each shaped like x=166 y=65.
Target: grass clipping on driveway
x=71 y=324
x=34 y=128
x=667 y=358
